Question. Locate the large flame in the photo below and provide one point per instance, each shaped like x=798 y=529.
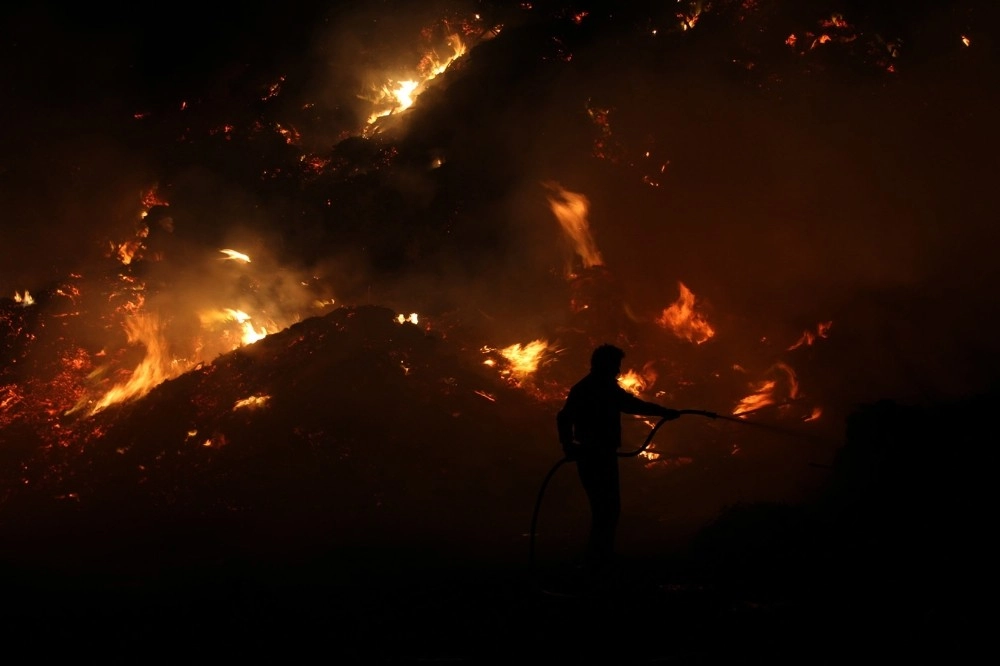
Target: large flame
x=399 y=94
x=155 y=367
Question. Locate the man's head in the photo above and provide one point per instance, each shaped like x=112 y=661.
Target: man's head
x=607 y=361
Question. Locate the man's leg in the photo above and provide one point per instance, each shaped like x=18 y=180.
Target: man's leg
x=599 y=475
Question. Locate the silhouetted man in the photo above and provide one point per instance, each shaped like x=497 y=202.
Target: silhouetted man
x=590 y=432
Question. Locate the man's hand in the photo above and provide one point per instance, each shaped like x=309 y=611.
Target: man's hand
x=670 y=414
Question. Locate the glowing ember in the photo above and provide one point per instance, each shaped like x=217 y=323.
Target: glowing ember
x=682 y=319
x=571 y=209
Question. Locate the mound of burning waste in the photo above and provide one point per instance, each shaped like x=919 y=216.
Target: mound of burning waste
x=346 y=430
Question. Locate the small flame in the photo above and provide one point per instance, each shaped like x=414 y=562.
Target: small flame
x=402 y=319
x=765 y=392
x=808 y=337
x=252 y=402
x=682 y=319
x=25 y=300
x=238 y=256
x=633 y=382
x=571 y=209
x=522 y=360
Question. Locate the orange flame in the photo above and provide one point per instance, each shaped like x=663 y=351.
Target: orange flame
x=253 y=402
x=682 y=319
x=808 y=337
x=233 y=254
x=571 y=209
x=633 y=382
x=765 y=392
x=399 y=94
x=155 y=367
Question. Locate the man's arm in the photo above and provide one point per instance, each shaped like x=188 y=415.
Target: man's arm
x=631 y=404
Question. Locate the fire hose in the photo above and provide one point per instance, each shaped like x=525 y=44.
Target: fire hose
x=626 y=454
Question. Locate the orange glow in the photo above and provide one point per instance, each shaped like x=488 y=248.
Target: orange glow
x=23 y=300
x=571 y=209
x=682 y=319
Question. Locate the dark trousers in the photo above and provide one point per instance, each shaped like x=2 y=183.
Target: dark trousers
x=599 y=476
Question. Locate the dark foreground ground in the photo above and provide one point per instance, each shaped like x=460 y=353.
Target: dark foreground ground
x=649 y=612
x=892 y=564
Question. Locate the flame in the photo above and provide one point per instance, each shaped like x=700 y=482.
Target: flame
x=252 y=402
x=248 y=334
x=690 y=19
x=682 y=319
x=402 y=319
x=633 y=382
x=399 y=94
x=571 y=209
x=25 y=300
x=233 y=254
x=155 y=367
x=765 y=392
x=808 y=337
x=522 y=360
